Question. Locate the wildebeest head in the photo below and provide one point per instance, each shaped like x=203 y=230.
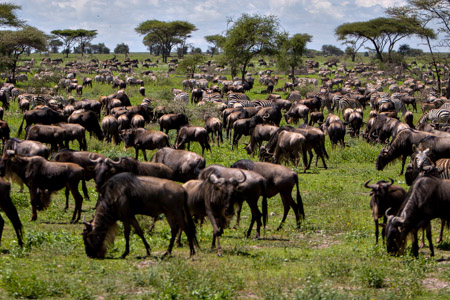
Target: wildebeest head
x=97 y=240
x=127 y=136
x=382 y=159
x=379 y=194
x=395 y=235
x=104 y=169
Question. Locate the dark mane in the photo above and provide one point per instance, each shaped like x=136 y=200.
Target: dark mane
x=244 y=164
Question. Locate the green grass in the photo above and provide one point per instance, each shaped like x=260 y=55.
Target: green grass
x=332 y=256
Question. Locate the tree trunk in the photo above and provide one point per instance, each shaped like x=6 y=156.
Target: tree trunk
x=353 y=56
x=293 y=75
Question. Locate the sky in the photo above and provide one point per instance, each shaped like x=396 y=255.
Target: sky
x=115 y=20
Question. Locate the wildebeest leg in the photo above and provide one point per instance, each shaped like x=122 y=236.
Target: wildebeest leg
x=126 y=233
x=219 y=248
x=78 y=203
x=311 y=156
x=33 y=199
x=289 y=202
x=145 y=154
x=67 y=198
x=256 y=216
x=430 y=239
x=376 y=231
x=415 y=245
x=238 y=214
x=422 y=243
x=140 y=233
x=174 y=229
x=403 y=164
x=2 y=224
x=441 y=232
x=137 y=151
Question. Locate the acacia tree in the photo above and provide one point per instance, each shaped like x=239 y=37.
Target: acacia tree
x=217 y=41
x=248 y=37
x=291 y=51
x=67 y=37
x=122 y=49
x=381 y=32
x=83 y=37
x=14 y=43
x=165 y=34
x=8 y=16
x=353 y=46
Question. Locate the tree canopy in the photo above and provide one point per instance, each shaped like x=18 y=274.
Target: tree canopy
x=291 y=51
x=217 y=42
x=69 y=37
x=15 y=43
x=122 y=49
x=248 y=37
x=381 y=32
x=331 y=50
x=8 y=16
x=165 y=35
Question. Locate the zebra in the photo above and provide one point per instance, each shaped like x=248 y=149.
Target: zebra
x=399 y=105
x=240 y=103
x=264 y=103
x=422 y=160
x=341 y=103
x=233 y=98
x=183 y=97
x=437 y=115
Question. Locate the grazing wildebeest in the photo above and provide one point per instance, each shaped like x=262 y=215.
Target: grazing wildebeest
x=214 y=126
x=137 y=121
x=401 y=146
x=105 y=168
x=279 y=179
x=85 y=159
x=427 y=199
x=384 y=195
x=172 y=121
x=10 y=210
x=189 y=133
x=48 y=134
x=93 y=105
x=126 y=195
x=244 y=127
x=110 y=127
x=212 y=197
x=185 y=165
x=74 y=132
x=143 y=139
x=233 y=117
x=296 y=112
x=88 y=120
x=289 y=145
x=46 y=116
x=259 y=134
x=44 y=177
x=336 y=133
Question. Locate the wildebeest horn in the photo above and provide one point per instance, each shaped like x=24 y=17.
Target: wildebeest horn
x=214 y=179
x=370 y=186
x=115 y=162
x=387 y=214
x=94 y=160
x=244 y=177
x=426 y=151
x=392 y=181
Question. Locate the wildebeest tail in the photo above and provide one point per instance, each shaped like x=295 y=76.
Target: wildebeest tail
x=190 y=226
x=264 y=206
x=21 y=125
x=83 y=186
x=301 y=210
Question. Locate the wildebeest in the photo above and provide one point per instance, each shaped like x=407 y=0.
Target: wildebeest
x=236 y=115
x=401 y=146
x=105 y=168
x=270 y=115
x=439 y=146
x=143 y=139
x=126 y=195
x=279 y=179
x=4 y=132
x=27 y=148
x=427 y=199
x=46 y=116
x=289 y=145
x=88 y=120
x=259 y=134
x=384 y=195
x=110 y=127
x=74 y=132
x=44 y=177
x=93 y=105
x=172 y=121
x=10 y=210
x=214 y=126
x=297 y=111
x=244 y=127
x=85 y=159
x=336 y=133
x=48 y=134
x=212 y=197
x=186 y=134
x=137 y=121
x=185 y=165
x=249 y=190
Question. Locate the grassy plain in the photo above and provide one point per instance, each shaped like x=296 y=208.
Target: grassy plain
x=332 y=256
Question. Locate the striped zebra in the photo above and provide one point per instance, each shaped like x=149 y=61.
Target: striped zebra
x=264 y=103
x=437 y=115
x=399 y=105
x=341 y=103
x=211 y=97
x=182 y=97
x=240 y=98
x=422 y=160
